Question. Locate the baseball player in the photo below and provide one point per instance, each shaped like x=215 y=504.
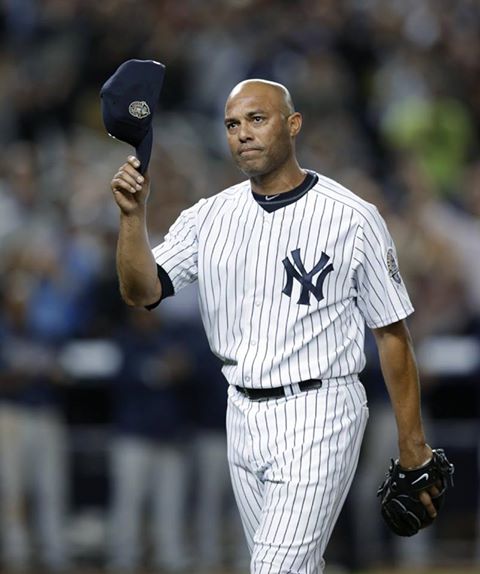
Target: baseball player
x=290 y=266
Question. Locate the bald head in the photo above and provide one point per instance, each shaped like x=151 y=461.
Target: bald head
x=261 y=125
x=275 y=92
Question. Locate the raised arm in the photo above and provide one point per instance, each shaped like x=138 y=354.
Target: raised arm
x=136 y=266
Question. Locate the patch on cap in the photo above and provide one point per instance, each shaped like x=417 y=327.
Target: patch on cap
x=392 y=266
x=139 y=110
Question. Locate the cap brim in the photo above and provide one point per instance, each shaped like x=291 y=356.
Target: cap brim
x=144 y=151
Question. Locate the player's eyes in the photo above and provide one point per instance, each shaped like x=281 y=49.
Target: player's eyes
x=257 y=119
x=231 y=125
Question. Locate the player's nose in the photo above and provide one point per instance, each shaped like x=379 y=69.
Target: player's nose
x=244 y=134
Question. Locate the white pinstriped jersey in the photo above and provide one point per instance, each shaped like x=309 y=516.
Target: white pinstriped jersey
x=284 y=295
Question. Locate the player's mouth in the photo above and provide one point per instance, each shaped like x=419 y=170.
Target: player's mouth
x=248 y=151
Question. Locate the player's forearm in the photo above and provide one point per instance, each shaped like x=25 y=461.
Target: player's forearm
x=136 y=266
x=401 y=377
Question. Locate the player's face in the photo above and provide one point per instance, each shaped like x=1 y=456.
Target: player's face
x=259 y=131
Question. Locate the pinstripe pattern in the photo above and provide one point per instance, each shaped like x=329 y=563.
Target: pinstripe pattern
x=235 y=249
x=292 y=461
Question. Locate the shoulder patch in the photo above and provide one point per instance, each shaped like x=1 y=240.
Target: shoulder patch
x=392 y=266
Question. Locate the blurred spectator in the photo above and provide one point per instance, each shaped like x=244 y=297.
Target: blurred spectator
x=33 y=441
x=149 y=470
x=218 y=533
x=449 y=240
x=438 y=133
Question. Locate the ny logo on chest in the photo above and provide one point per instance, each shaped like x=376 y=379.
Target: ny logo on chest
x=296 y=270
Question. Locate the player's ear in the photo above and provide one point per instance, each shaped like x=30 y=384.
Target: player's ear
x=295 y=123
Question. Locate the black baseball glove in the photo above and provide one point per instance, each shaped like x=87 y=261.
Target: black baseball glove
x=401 y=507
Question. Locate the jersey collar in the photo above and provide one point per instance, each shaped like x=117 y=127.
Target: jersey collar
x=273 y=202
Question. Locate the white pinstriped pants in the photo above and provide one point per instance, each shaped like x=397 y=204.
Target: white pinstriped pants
x=292 y=461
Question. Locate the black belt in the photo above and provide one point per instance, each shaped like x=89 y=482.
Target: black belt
x=279 y=392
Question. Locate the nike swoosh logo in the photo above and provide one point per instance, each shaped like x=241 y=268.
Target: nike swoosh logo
x=270 y=197
x=421 y=477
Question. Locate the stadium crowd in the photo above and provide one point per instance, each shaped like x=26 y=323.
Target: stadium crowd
x=391 y=93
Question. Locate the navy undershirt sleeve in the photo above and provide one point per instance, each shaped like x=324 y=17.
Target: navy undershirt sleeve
x=167 y=287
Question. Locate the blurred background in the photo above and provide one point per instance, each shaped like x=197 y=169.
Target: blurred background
x=112 y=445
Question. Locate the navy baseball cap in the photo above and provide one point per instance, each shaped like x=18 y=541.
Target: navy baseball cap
x=129 y=99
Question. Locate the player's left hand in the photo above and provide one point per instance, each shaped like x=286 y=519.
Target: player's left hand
x=411 y=498
x=415 y=457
